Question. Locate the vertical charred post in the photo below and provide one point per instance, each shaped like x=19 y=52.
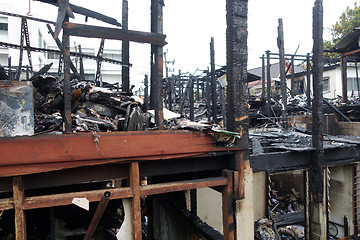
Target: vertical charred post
x=125 y=50
x=67 y=85
x=282 y=72
x=316 y=173
x=213 y=81
x=344 y=78
x=268 y=86
x=236 y=70
x=292 y=76
x=308 y=76
x=263 y=77
x=156 y=94
x=146 y=92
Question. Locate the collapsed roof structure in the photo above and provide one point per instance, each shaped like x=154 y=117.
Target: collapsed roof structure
x=107 y=148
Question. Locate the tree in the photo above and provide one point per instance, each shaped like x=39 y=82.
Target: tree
x=348 y=20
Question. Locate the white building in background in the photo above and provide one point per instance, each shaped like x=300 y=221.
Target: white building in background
x=10 y=32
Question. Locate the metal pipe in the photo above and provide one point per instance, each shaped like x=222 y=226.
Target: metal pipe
x=98 y=214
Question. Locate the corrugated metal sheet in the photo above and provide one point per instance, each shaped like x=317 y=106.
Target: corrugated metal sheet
x=16 y=108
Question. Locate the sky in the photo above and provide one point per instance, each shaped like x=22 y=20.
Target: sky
x=190 y=24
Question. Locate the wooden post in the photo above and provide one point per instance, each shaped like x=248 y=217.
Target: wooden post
x=344 y=78
x=308 y=76
x=282 y=73
x=125 y=50
x=236 y=66
x=213 y=81
x=227 y=207
x=263 y=77
x=136 y=203
x=268 y=88
x=292 y=76
x=318 y=207
x=67 y=84
x=19 y=196
x=157 y=64
x=191 y=98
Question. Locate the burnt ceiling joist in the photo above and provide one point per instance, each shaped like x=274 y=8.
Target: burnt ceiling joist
x=81 y=30
x=295 y=160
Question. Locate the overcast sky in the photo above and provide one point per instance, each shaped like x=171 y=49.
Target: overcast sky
x=190 y=24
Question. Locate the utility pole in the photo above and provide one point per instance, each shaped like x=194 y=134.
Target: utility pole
x=268 y=85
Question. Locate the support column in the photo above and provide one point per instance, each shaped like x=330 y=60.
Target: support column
x=213 y=81
x=136 y=203
x=19 y=196
x=292 y=76
x=268 y=87
x=318 y=207
x=67 y=84
x=282 y=73
x=308 y=76
x=263 y=77
x=236 y=65
x=344 y=78
x=125 y=50
x=229 y=230
x=156 y=96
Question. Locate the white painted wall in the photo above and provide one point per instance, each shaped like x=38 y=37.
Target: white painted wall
x=209 y=207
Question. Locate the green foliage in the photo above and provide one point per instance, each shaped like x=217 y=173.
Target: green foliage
x=348 y=20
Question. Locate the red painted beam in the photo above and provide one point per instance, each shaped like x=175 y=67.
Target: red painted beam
x=24 y=155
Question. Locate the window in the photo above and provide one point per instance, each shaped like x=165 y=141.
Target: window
x=3 y=26
x=53 y=55
x=114 y=56
x=326 y=84
x=352 y=84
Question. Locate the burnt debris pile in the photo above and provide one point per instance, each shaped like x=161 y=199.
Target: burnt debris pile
x=92 y=108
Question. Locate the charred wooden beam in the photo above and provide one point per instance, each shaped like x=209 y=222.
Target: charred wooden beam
x=63 y=5
x=67 y=84
x=60 y=46
x=316 y=170
x=344 y=78
x=82 y=30
x=263 y=77
x=268 y=86
x=157 y=58
x=81 y=63
x=213 y=81
x=191 y=99
x=280 y=41
x=308 y=76
x=229 y=226
x=97 y=215
x=236 y=68
x=125 y=50
x=88 y=13
x=292 y=85
x=146 y=92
